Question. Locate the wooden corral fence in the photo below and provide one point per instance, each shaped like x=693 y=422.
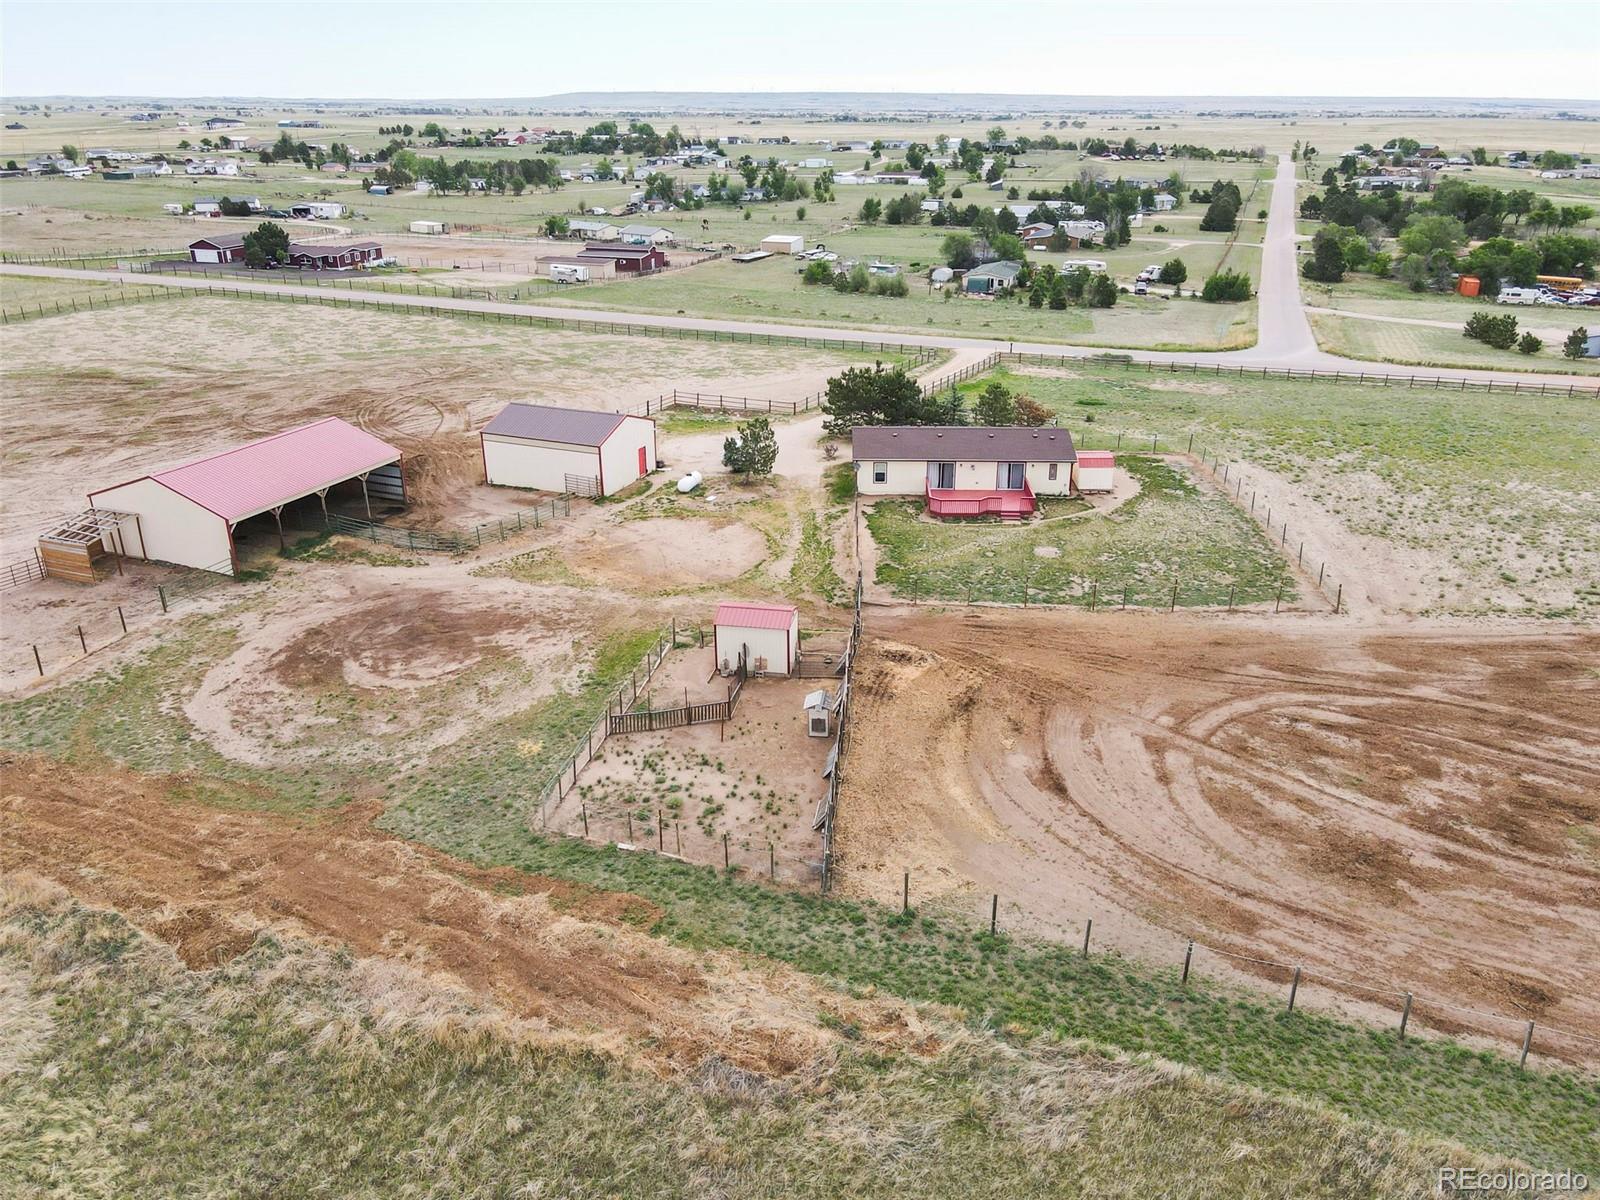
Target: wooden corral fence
x=650 y=719
x=827 y=809
x=429 y=541
x=706 y=402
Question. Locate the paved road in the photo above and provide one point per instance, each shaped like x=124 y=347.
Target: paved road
x=1285 y=338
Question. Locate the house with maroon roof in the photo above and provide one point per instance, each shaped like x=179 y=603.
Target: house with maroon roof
x=965 y=470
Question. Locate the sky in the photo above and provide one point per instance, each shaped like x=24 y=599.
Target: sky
x=445 y=50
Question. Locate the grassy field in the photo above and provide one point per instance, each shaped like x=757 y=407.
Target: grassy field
x=1421 y=345
x=771 y=290
x=1496 y=491
x=284 y=1071
x=1173 y=530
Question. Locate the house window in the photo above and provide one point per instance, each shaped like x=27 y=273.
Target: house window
x=1052 y=470
x=880 y=472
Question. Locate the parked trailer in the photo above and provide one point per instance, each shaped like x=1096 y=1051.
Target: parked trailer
x=569 y=273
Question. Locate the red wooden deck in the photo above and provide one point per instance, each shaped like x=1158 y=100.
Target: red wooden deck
x=1006 y=504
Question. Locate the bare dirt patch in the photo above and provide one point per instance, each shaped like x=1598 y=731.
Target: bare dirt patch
x=373 y=670
x=561 y=957
x=1384 y=807
x=668 y=553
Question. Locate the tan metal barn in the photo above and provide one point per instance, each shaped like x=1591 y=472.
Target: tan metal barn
x=768 y=635
x=187 y=515
x=574 y=450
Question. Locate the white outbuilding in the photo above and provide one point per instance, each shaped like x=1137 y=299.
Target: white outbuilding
x=575 y=450
x=784 y=243
x=190 y=514
x=431 y=228
x=767 y=635
x=1095 y=471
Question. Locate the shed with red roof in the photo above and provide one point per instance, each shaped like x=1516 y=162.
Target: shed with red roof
x=188 y=514
x=576 y=450
x=767 y=635
x=1094 y=470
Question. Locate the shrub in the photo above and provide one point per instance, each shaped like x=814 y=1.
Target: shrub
x=1226 y=285
x=1573 y=347
x=1528 y=344
x=892 y=285
x=817 y=271
x=1499 y=332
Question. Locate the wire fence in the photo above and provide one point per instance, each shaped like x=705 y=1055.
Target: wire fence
x=1407 y=1005
x=447 y=541
x=706 y=402
x=123 y=295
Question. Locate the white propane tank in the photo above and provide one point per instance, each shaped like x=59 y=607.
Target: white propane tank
x=689 y=482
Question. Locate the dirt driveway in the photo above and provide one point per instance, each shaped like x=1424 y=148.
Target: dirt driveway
x=1384 y=807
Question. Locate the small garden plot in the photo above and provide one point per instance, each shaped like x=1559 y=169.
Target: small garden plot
x=756 y=779
x=1175 y=529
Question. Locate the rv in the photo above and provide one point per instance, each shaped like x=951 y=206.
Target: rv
x=1518 y=295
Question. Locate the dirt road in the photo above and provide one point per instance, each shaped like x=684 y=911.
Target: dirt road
x=1386 y=807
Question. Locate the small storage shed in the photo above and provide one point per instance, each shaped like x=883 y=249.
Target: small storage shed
x=432 y=228
x=783 y=243
x=187 y=515
x=574 y=450
x=768 y=635
x=1094 y=470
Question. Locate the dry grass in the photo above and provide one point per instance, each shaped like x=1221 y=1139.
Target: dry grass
x=296 y=1069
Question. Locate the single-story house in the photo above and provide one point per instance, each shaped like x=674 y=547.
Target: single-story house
x=814 y=164
x=1094 y=470
x=636 y=260
x=190 y=514
x=520 y=138
x=991 y=278
x=767 y=636
x=567 y=449
x=594 y=231
x=317 y=210
x=964 y=470
x=783 y=243
x=1036 y=230
x=223 y=248
x=207 y=206
x=309 y=257
x=647 y=235
x=1165 y=202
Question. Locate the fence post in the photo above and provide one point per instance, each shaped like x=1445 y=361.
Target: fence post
x=1527 y=1044
x=1233 y=589
x=1088 y=928
x=82 y=641
x=37 y=662
x=583 y=811
x=161 y=593
x=122 y=618
x=1338 y=600
x=994 y=913
x=724 y=851
x=1405 y=1017
x=1278 y=599
x=1294 y=987
x=1174 y=604
x=1188 y=957
x=661 y=830
x=905 y=893
x=772 y=862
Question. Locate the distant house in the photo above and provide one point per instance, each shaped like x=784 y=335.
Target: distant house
x=207 y=206
x=379 y=189
x=567 y=449
x=333 y=258
x=223 y=123
x=964 y=470
x=594 y=231
x=223 y=248
x=240 y=141
x=900 y=178
x=932 y=205
x=1036 y=231
x=631 y=260
x=520 y=138
x=814 y=164
x=317 y=210
x=334 y=168
x=647 y=235
x=1403 y=182
x=1165 y=202
x=991 y=278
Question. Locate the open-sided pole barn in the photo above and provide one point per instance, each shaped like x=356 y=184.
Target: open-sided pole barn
x=187 y=515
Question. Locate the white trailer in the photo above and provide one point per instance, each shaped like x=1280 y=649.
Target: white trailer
x=569 y=273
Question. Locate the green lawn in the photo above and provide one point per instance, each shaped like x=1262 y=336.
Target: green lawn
x=1173 y=530
x=1496 y=490
x=1421 y=345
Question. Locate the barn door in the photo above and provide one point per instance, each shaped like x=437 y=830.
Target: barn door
x=643 y=470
